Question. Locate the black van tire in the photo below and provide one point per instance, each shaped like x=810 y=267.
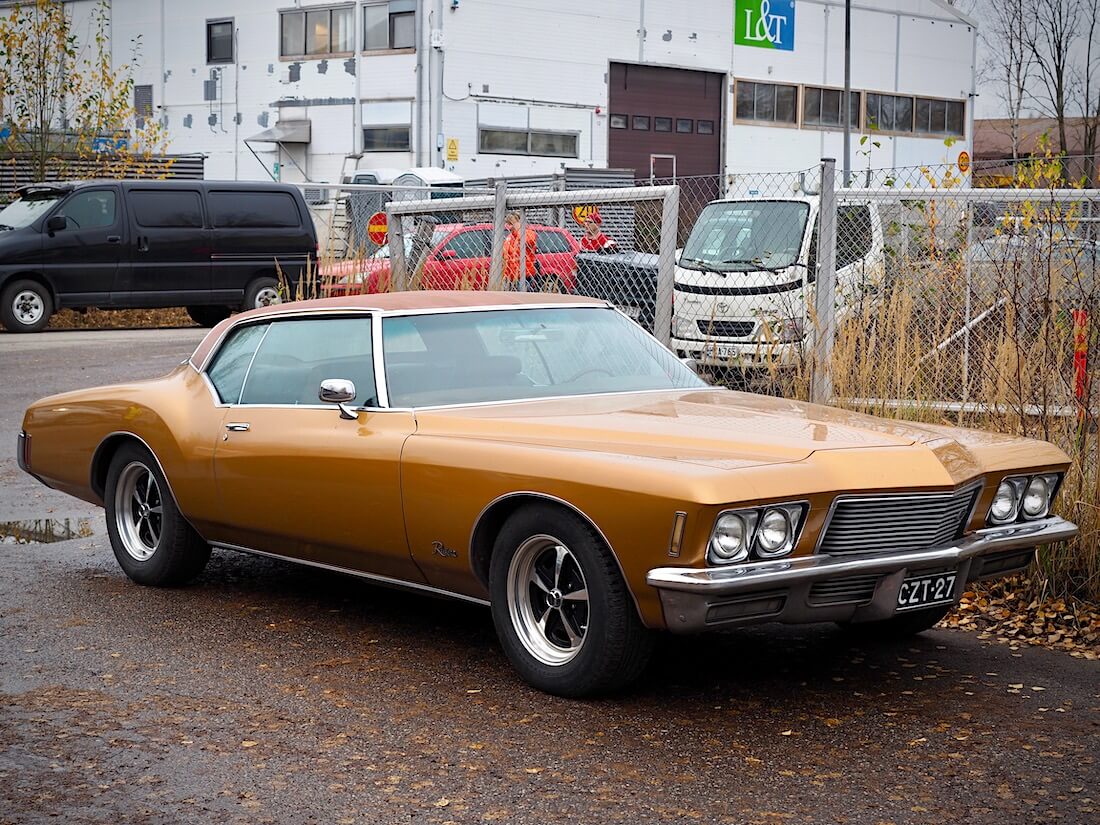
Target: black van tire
x=257 y=293
x=208 y=316
x=25 y=306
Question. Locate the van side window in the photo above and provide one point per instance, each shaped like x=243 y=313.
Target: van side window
x=853 y=234
x=166 y=207
x=87 y=210
x=253 y=209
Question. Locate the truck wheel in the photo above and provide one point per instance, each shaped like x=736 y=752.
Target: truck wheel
x=262 y=292
x=900 y=626
x=562 y=611
x=25 y=306
x=152 y=541
x=208 y=316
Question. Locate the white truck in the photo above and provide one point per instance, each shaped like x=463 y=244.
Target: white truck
x=743 y=292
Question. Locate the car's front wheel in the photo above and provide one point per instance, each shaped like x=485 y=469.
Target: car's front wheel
x=564 y=615
x=152 y=541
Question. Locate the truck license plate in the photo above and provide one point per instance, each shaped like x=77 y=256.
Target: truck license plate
x=927 y=591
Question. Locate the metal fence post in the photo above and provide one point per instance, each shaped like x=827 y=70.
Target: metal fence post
x=500 y=212
x=399 y=275
x=666 y=266
x=968 y=303
x=821 y=386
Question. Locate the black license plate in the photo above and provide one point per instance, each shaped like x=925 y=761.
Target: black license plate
x=927 y=591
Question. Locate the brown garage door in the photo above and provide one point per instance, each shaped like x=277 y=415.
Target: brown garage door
x=658 y=114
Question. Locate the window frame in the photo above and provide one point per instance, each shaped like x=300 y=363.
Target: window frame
x=406 y=126
x=214 y=21
x=482 y=128
x=304 y=53
x=785 y=124
x=861 y=102
x=390 y=23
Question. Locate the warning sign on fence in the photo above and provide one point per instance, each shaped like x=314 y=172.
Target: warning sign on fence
x=583 y=213
x=377 y=227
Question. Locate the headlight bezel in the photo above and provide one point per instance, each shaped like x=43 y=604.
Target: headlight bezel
x=794 y=513
x=1021 y=485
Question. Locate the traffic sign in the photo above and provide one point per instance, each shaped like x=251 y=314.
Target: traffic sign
x=377 y=227
x=582 y=213
x=964 y=161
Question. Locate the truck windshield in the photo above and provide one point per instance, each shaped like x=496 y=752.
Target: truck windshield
x=740 y=236
x=23 y=212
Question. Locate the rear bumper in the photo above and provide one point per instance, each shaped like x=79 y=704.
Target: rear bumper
x=849 y=588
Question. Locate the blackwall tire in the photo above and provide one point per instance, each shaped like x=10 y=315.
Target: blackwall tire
x=153 y=543
x=262 y=292
x=563 y=613
x=25 y=306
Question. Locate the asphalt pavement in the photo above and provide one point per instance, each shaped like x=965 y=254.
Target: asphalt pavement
x=266 y=692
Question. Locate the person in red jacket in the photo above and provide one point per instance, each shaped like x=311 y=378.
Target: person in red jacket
x=511 y=249
x=594 y=239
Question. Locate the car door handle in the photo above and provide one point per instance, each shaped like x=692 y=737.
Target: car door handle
x=114 y=239
x=237 y=427
x=143 y=243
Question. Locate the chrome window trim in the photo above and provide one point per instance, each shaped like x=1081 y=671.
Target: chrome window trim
x=387 y=581
x=248 y=369
x=969 y=486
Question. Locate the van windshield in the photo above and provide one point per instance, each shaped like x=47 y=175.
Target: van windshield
x=24 y=211
x=741 y=236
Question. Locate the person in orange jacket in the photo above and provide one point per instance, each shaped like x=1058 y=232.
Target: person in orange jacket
x=511 y=249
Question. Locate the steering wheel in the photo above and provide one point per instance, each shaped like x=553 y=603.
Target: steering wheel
x=587 y=372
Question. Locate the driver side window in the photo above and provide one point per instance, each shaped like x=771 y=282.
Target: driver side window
x=90 y=210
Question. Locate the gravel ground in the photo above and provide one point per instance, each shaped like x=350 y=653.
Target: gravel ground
x=270 y=693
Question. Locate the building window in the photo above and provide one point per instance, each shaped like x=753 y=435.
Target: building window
x=685 y=125
x=386 y=138
x=662 y=124
x=617 y=121
x=315 y=32
x=821 y=107
x=767 y=102
x=640 y=123
x=219 y=41
x=706 y=127
x=143 y=104
x=528 y=142
x=889 y=113
x=389 y=25
x=940 y=117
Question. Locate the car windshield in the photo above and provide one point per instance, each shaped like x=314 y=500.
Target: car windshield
x=740 y=236
x=24 y=211
x=512 y=354
x=383 y=252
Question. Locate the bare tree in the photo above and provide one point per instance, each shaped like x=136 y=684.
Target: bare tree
x=1053 y=41
x=1010 y=60
x=1090 y=92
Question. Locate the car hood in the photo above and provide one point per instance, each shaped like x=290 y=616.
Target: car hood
x=722 y=429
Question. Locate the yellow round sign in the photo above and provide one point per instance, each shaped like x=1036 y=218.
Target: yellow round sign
x=964 y=161
x=582 y=214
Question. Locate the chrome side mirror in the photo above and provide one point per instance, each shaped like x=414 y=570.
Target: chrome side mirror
x=341 y=392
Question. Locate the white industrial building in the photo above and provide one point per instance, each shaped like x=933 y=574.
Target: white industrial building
x=508 y=87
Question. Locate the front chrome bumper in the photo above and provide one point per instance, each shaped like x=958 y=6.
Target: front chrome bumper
x=696 y=599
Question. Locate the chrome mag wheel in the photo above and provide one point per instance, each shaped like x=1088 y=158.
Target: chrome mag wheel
x=548 y=600
x=139 y=511
x=267 y=296
x=27 y=307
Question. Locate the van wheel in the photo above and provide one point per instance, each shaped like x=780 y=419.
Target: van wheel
x=262 y=292
x=208 y=316
x=562 y=611
x=25 y=306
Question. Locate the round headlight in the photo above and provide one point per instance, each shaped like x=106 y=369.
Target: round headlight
x=1004 y=503
x=728 y=541
x=774 y=533
x=1037 y=498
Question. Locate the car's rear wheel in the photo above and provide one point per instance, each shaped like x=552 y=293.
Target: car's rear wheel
x=25 y=306
x=262 y=292
x=151 y=540
x=563 y=613
x=900 y=626
x=208 y=316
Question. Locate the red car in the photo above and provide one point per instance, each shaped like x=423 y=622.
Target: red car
x=459 y=258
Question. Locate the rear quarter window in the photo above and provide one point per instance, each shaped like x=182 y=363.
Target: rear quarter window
x=166 y=207
x=253 y=209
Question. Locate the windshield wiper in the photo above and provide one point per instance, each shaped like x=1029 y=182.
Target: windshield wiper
x=701 y=266
x=759 y=265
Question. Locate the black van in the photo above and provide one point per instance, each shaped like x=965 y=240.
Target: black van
x=211 y=246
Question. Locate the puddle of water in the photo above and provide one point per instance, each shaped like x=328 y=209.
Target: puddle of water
x=43 y=531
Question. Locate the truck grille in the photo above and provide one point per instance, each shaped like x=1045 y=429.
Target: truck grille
x=727 y=329
x=896 y=524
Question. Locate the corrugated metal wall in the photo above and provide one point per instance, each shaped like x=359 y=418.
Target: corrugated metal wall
x=17 y=171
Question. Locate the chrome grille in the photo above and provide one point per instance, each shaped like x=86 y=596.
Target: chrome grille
x=896 y=524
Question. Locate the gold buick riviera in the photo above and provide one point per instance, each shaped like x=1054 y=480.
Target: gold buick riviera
x=547 y=457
